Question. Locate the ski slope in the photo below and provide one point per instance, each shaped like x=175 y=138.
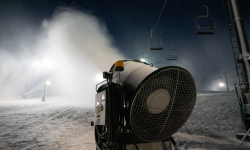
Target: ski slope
x=32 y=124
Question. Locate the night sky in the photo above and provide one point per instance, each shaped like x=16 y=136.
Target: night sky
x=129 y=24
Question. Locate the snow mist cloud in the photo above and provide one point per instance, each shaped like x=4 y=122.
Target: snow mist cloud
x=77 y=47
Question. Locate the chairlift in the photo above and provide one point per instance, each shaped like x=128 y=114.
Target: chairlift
x=158 y=64
x=205 y=25
x=144 y=58
x=155 y=43
x=143 y=55
x=173 y=54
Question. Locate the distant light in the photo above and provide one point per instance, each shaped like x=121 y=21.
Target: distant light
x=142 y=60
x=47 y=82
x=221 y=84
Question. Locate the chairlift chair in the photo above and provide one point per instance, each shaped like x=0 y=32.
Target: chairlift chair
x=157 y=64
x=155 y=43
x=172 y=55
x=205 y=25
x=144 y=57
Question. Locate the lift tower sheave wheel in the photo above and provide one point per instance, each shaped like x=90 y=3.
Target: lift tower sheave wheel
x=205 y=25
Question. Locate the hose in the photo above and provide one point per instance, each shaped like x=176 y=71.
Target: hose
x=174 y=143
x=117 y=129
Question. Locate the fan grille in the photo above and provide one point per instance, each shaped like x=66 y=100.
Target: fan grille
x=152 y=121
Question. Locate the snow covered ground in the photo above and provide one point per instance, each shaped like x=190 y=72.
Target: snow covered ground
x=213 y=124
x=32 y=124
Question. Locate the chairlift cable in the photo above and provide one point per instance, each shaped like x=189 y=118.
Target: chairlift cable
x=168 y=18
x=190 y=20
x=160 y=13
x=151 y=37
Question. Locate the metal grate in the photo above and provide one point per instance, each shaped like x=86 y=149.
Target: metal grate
x=163 y=104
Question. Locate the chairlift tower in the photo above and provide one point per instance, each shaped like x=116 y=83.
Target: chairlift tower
x=44 y=85
x=225 y=73
x=243 y=57
x=226 y=81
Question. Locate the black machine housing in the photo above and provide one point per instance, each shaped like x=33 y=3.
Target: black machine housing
x=123 y=123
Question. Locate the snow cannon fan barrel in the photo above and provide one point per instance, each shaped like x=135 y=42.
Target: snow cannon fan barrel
x=154 y=102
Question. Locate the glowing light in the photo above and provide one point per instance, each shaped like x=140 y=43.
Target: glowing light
x=221 y=84
x=142 y=60
x=99 y=77
x=47 y=82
